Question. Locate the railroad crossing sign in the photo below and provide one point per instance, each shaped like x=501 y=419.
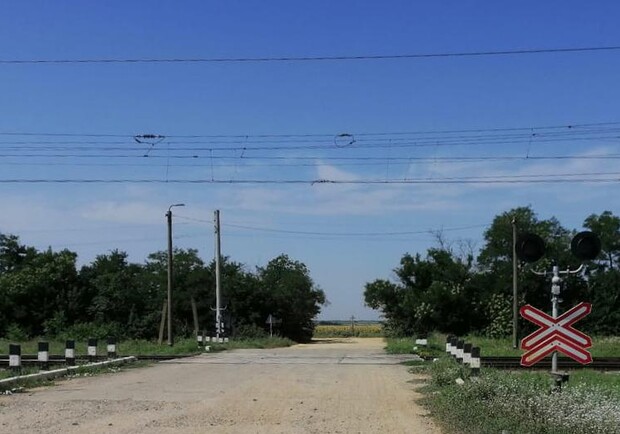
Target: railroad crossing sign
x=556 y=334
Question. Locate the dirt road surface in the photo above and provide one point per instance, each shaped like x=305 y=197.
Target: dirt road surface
x=333 y=386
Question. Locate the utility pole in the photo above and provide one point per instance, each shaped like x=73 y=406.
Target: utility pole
x=352 y=325
x=515 y=313
x=169 y=218
x=218 y=318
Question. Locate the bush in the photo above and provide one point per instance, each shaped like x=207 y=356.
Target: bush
x=249 y=331
x=83 y=331
x=16 y=334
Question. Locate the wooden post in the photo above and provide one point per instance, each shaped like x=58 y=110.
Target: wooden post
x=163 y=323
x=195 y=315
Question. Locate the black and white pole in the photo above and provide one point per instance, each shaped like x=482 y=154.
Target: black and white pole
x=43 y=354
x=467 y=354
x=15 y=357
x=459 y=351
x=199 y=339
x=70 y=352
x=453 y=342
x=448 y=346
x=111 y=348
x=92 y=349
x=475 y=361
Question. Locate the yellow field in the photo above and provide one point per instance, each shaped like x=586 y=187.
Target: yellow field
x=345 y=330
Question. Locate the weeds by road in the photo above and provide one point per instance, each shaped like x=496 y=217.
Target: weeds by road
x=521 y=402
x=604 y=346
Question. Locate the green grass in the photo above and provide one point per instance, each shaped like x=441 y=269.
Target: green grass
x=435 y=347
x=607 y=346
x=601 y=346
x=521 y=402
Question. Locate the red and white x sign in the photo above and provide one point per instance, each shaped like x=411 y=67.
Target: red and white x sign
x=556 y=334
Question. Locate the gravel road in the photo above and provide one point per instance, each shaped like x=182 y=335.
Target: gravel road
x=331 y=386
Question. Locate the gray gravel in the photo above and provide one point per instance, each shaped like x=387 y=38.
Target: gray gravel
x=334 y=386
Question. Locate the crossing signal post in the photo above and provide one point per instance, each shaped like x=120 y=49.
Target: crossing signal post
x=556 y=333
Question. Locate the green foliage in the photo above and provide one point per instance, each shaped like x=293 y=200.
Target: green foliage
x=292 y=297
x=432 y=293
x=250 y=331
x=452 y=294
x=84 y=331
x=43 y=293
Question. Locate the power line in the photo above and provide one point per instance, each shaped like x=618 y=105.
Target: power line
x=284 y=231
x=249 y=146
x=318 y=157
x=315 y=135
x=310 y=182
x=314 y=58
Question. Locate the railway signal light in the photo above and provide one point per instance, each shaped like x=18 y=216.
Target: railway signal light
x=529 y=247
x=585 y=245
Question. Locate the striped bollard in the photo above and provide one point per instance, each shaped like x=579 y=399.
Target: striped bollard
x=92 y=349
x=459 y=351
x=207 y=338
x=453 y=342
x=467 y=354
x=475 y=361
x=43 y=355
x=448 y=345
x=111 y=348
x=15 y=357
x=199 y=338
x=70 y=352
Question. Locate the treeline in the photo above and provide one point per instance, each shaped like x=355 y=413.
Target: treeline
x=455 y=289
x=44 y=293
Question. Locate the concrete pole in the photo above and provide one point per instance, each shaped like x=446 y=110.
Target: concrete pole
x=515 y=313
x=218 y=318
x=169 y=218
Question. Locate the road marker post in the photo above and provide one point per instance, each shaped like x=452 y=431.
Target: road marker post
x=70 y=352
x=92 y=349
x=15 y=357
x=43 y=355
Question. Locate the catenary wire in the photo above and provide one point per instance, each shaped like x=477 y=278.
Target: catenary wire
x=316 y=58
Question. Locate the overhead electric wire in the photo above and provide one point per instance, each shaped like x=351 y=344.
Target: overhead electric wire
x=427 y=143
x=552 y=50
x=306 y=181
x=315 y=135
x=285 y=231
x=318 y=157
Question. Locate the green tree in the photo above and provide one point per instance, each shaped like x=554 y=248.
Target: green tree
x=432 y=293
x=607 y=227
x=190 y=281
x=118 y=296
x=292 y=296
x=36 y=287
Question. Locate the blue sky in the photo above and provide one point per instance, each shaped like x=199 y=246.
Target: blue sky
x=295 y=98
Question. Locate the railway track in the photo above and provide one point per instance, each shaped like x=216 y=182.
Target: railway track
x=599 y=363
x=31 y=360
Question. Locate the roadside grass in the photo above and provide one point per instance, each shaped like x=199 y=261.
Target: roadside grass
x=344 y=330
x=435 y=347
x=521 y=402
x=603 y=346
